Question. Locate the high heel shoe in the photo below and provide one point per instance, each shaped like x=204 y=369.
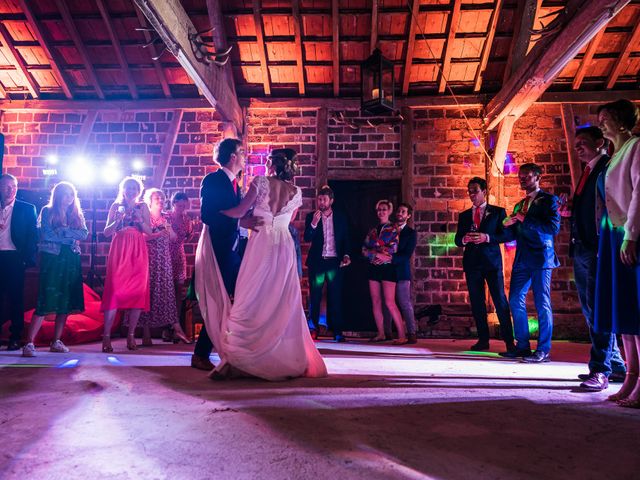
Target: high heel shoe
x=181 y=337
x=106 y=344
x=400 y=341
x=131 y=342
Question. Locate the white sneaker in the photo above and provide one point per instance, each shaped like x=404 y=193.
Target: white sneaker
x=29 y=350
x=58 y=347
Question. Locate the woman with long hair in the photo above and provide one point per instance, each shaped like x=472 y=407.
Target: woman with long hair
x=61 y=226
x=379 y=246
x=126 y=284
x=163 y=310
x=617 y=304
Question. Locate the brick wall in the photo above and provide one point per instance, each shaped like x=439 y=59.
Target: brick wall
x=445 y=157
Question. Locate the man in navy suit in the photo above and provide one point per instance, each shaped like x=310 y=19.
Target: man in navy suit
x=480 y=232
x=534 y=223
x=18 y=240
x=220 y=191
x=327 y=231
x=605 y=363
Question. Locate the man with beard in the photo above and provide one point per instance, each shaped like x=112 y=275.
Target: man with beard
x=329 y=252
x=534 y=223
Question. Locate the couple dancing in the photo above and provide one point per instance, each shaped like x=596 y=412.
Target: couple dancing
x=264 y=332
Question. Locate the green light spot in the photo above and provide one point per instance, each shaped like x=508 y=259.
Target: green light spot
x=533 y=325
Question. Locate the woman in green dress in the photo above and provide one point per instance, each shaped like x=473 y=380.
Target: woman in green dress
x=62 y=226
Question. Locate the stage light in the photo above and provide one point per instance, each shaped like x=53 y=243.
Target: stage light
x=137 y=165
x=52 y=159
x=81 y=172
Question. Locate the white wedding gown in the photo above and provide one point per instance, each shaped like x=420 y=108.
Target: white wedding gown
x=264 y=333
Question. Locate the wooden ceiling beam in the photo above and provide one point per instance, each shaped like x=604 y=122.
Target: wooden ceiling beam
x=335 y=21
x=122 y=59
x=153 y=52
x=408 y=59
x=374 y=26
x=586 y=60
x=3 y=92
x=262 y=48
x=486 y=48
x=525 y=11
x=550 y=55
x=621 y=63
x=454 y=20
x=79 y=44
x=17 y=61
x=38 y=33
x=297 y=26
x=214 y=11
x=172 y=23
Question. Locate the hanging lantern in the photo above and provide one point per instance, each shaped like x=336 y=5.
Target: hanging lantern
x=378 y=84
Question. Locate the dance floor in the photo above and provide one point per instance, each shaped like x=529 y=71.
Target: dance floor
x=428 y=411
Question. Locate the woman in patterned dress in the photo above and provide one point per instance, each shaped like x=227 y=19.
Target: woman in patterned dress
x=62 y=226
x=379 y=246
x=183 y=227
x=163 y=310
x=126 y=285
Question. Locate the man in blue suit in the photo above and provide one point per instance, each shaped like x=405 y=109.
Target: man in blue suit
x=534 y=223
x=18 y=239
x=480 y=232
x=220 y=191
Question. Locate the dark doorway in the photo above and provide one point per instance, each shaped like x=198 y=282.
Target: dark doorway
x=357 y=199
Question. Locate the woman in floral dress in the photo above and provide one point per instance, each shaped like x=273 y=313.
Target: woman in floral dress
x=183 y=227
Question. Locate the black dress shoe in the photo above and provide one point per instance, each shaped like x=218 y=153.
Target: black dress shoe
x=13 y=345
x=201 y=363
x=537 y=357
x=479 y=346
x=412 y=339
x=617 y=377
x=516 y=353
x=585 y=376
x=596 y=382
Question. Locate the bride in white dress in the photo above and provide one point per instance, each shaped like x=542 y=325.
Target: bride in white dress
x=264 y=333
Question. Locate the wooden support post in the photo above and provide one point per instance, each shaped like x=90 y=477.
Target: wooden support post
x=569 y=128
x=85 y=130
x=406 y=155
x=160 y=172
x=322 y=148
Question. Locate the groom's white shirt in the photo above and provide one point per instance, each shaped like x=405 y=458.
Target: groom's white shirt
x=229 y=174
x=329 y=244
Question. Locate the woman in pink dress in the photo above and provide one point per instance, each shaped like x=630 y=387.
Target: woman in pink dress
x=183 y=227
x=126 y=285
x=163 y=310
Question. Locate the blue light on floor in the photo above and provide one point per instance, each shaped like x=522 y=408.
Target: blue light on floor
x=69 y=363
x=113 y=360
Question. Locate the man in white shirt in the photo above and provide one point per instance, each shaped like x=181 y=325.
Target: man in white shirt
x=18 y=239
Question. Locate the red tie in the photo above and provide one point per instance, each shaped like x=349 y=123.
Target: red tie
x=476 y=217
x=235 y=186
x=524 y=205
x=583 y=180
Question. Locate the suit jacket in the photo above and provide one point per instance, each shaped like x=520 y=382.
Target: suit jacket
x=216 y=193
x=583 y=211
x=535 y=236
x=402 y=258
x=316 y=237
x=483 y=256
x=24 y=233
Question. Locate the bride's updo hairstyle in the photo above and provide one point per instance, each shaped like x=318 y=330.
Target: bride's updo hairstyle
x=283 y=161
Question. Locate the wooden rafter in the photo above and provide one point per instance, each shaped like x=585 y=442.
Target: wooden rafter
x=486 y=48
x=262 y=49
x=335 y=21
x=166 y=90
x=569 y=128
x=374 y=26
x=79 y=44
x=171 y=22
x=214 y=10
x=122 y=59
x=37 y=31
x=502 y=142
x=85 y=131
x=526 y=11
x=3 y=92
x=161 y=168
x=621 y=62
x=16 y=59
x=297 y=25
x=454 y=20
x=586 y=60
x=549 y=57
x=413 y=25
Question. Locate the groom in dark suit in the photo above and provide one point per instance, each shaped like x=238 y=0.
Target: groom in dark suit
x=329 y=252
x=534 y=223
x=18 y=239
x=480 y=232
x=220 y=191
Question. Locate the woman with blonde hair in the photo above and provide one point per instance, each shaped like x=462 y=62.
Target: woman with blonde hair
x=163 y=310
x=61 y=227
x=127 y=281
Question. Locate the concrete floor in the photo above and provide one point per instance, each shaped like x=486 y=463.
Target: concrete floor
x=430 y=411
